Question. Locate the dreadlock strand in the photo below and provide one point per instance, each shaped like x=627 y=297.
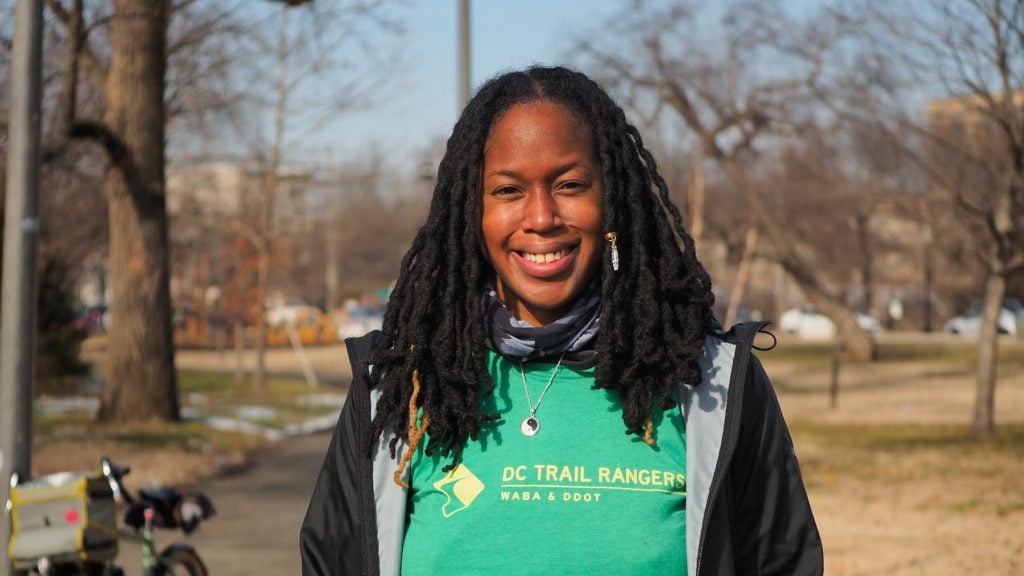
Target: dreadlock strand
x=649 y=432
x=415 y=432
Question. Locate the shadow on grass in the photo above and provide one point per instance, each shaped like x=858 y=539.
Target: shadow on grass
x=910 y=437
x=895 y=455
x=821 y=385
x=927 y=349
x=81 y=427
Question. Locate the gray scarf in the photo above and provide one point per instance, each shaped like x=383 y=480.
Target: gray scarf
x=519 y=340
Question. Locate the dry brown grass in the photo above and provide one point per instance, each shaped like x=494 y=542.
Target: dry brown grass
x=897 y=484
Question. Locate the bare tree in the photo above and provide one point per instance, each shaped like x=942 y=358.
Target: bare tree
x=833 y=186
x=71 y=185
x=971 y=52
x=738 y=89
x=978 y=155
x=325 y=63
x=124 y=55
x=140 y=375
x=120 y=56
x=392 y=225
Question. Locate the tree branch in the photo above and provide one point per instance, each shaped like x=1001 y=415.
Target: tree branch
x=117 y=151
x=69 y=99
x=248 y=232
x=94 y=67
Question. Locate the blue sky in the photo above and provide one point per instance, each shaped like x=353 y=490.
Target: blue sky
x=420 y=105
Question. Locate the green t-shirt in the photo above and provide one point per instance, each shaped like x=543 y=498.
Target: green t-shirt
x=579 y=497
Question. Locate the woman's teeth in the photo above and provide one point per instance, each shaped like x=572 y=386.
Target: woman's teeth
x=546 y=257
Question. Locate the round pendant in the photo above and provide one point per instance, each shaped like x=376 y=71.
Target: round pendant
x=530 y=426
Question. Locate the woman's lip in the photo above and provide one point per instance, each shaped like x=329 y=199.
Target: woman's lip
x=546 y=269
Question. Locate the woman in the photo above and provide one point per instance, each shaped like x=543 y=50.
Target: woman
x=550 y=393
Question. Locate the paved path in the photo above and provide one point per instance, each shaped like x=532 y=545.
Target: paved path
x=259 y=510
x=256 y=530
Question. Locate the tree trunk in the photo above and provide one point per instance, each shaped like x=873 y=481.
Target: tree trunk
x=262 y=280
x=739 y=286
x=332 y=298
x=140 y=378
x=837 y=360
x=984 y=423
x=697 y=197
x=266 y=248
x=866 y=263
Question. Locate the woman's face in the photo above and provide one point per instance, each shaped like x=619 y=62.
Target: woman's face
x=542 y=222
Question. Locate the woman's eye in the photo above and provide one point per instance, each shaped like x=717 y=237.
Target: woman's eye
x=505 y=191
x=572 y=185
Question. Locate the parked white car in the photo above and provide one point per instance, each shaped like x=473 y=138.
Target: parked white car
x=806 y=323
x=1011 y=317
x=358 y=321
x=290 y=311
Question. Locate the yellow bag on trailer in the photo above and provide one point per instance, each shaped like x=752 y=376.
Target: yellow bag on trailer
x=63 y=517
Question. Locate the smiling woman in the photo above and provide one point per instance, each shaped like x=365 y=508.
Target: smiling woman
x=551 y=302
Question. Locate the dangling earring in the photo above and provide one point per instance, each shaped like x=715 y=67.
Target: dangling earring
x=613 y=237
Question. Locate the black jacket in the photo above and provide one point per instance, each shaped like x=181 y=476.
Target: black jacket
x=751 y=515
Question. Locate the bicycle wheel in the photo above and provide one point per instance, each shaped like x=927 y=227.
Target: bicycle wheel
x=181 y=561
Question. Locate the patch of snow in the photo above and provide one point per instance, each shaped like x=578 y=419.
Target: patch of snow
x=256 y=412
x=322 y=400
x=64 y=405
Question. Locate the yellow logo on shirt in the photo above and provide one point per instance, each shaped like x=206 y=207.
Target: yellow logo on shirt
x=461 y=487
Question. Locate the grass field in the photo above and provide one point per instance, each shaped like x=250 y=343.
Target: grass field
x=898 y=485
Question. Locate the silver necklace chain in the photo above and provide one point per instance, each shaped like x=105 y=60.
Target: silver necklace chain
x=530 y=425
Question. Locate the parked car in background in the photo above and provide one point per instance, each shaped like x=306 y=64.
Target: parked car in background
x=805 y=322
x=353 y=321
x=294 y=311
x=1010 y=321
x=92 y=318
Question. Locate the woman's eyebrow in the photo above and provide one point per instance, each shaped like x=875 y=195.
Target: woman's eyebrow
x=557 y=171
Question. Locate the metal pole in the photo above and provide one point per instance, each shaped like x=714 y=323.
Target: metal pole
x=926 y=297
x=464 y=86
x=21 y=226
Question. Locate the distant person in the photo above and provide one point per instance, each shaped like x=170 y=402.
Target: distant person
x=894 y=311
x=218 y=323
x=550 y=393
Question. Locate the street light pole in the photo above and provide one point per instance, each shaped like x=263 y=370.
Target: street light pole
x=21 y=227
x=464 y=86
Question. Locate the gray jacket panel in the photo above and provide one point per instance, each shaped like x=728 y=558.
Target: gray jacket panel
x=704 y=409
x=389 y=497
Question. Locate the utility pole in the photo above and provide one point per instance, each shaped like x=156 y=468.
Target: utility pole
x=464 y=86
x=21 y=227
x=331 y=234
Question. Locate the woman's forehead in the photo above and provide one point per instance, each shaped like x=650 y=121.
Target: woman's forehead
x=538 y=112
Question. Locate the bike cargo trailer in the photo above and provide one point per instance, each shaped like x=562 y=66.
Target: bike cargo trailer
x=63 y=517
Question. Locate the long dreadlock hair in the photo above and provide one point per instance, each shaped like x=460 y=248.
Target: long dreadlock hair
x=656 y=309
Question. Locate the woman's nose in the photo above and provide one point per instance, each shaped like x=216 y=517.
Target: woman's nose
x=541 y=211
